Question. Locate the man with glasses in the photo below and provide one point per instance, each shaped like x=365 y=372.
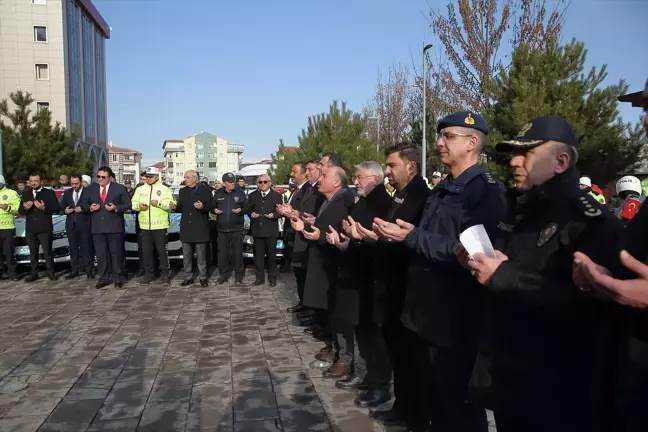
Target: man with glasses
x=229 y=207
x=107 y=202
x=264 y=228
x=152 y=202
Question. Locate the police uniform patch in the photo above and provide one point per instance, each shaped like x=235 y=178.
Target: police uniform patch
x=524 y=130
x=469 y=120
x=4 y=197
x=546 y=233
x=236 y=199
x=159 y=193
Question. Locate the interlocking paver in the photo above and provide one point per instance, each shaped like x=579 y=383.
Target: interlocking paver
x=162 y=358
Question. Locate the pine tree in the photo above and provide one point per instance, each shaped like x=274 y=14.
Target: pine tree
x=340 y=130
x=553 y=81
x=33 y=144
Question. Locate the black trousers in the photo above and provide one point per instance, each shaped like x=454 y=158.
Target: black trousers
x=300 y=277
x=444 y=375
x=213 y=238
x=373 y=354
x=230 y=255
x=154 y=244
x=265 y=247
x=80 y=241
x=344 y=343
x=399 y=342
x=44 y=240
x=7 y=239
x=201 y=257
x=109 y=248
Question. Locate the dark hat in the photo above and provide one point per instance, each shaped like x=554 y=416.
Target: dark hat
x=229 y=178
x=464 y=119
x=539 y=131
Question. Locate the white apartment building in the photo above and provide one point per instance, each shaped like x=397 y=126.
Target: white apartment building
x=55 y=50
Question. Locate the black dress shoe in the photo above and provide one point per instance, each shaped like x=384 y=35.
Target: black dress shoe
x=373 y=397
x=146 y=281
x=305 y=314
x=90 y=275
x=187 y=282
x=295 y=309
x=119 y=285
x=13 y=277
x=387 y=417
x=72 y=276
x=258 y=282
x=221 y=281
x=52 y=277
x=312 y=329
x=351 y=383
x=307 y=322
x=204 y=282
x=166 y=280
x=239 y=284
x=31 y=278
x=101 y=284
x=272 y=283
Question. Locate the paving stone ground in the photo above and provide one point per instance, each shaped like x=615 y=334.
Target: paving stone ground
x=162 y=358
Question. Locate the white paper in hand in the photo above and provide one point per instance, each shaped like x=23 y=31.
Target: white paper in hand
x=475 y=240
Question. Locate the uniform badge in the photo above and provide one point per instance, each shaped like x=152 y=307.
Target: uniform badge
x=546 y=233
x=524 y=130
x=4 y=197
x=159 y=193
x=469 y=120
x=236 y=199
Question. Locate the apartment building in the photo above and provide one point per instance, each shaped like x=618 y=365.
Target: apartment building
x=125 y=163
x=55 y=50
x=211 y=156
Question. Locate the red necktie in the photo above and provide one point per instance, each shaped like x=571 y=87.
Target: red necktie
x=103 y=194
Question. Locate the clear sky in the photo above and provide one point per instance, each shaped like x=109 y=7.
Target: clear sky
x=252 y=71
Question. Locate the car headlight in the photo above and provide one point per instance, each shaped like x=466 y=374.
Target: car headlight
x=248 y=240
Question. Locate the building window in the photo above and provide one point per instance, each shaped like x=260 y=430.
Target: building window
x=40 y=34
x=212 y=164
x=128 y=157
x=200 y=155
x=74 y=64
x=41 y=106
x=169 y=164
x=87 y=32
x=200 y=164
x=114 y=158
x=199 y=146
x=211 y=155
x=42 y=71
x=100 y=76
x=39 y=2
x=179 y=164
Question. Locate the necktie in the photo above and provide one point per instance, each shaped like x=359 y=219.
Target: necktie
x=34 y=194
x=76 y=197
x=103 y=194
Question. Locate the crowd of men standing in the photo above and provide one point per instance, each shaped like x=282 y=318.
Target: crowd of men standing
x=534 y=332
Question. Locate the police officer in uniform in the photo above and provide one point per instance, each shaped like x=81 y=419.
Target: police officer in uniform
x=549 y=341
x=9 y=207
x=443 y=303
x=153 y=201
x=229 y=206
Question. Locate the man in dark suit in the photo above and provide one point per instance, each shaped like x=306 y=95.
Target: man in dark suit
x=107 y=202
x=77 y=226
x=38 y=205
x=264 y=228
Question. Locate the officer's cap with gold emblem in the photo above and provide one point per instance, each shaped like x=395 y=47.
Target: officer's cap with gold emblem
x=464 y=119
x=539 y=131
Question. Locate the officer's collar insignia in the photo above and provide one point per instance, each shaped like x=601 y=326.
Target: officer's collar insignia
x=590 y=210
x=159 y=193
x=524 y=130
x=469 y=120
x=546 y=233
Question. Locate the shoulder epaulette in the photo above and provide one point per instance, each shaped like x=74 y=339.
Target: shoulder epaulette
x=589 y=206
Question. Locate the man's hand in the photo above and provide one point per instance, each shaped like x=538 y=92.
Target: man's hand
x=197 y=205
x=350 y=227
x=111 y=207
x=340 y=241
x=69 y=210
x=284 y=209
x=255 y=215
x=77 y=209
x=236 y=210
x=143 y=207
x=313 y=235
x=269 y=215
x=297 y=224
x=308 y=218
x=28 y=204
x=4 y=206
x=632 y=292
x=366 y=234
x=94 y=207
x=39 y=205
x=172 y=205
x=463 y=256
x=392 y=231
x=483 y=267
x=154 y=203
x=218 y=211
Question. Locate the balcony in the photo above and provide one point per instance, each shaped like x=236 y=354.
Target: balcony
x=235 y=148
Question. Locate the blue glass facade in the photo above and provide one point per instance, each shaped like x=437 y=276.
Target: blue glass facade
x=88 y=78
x=74 y=65
x=100 y=75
